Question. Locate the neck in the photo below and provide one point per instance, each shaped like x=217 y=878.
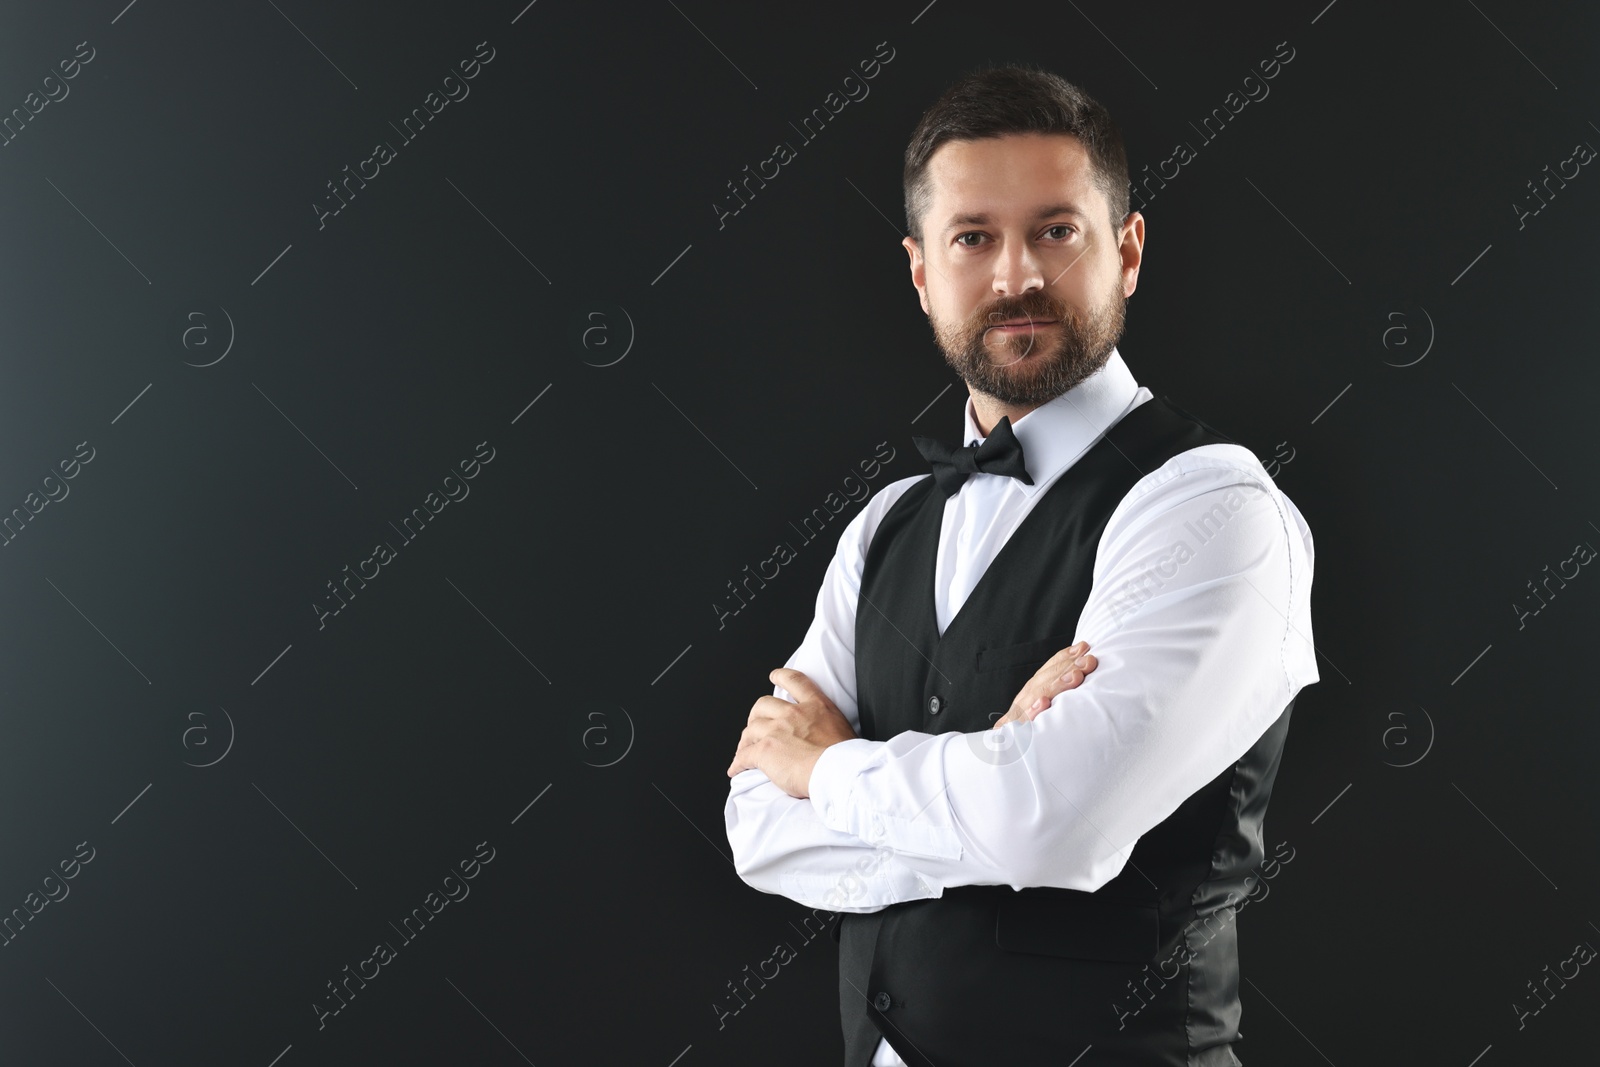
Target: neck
x=987 y=412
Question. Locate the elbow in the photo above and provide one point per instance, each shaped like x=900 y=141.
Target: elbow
x=751 y=869
x=740 y=842
x=751 y=872
x=1068 y=859
x=755 y=868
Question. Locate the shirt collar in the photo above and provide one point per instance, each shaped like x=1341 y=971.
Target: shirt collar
x=1054 y=434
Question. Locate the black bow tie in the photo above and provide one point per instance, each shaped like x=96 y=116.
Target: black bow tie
x=1000 y=453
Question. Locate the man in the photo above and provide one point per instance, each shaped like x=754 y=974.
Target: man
x=1069 y=880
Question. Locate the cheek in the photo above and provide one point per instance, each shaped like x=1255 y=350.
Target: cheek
x=1082 y=290
x=956 y=290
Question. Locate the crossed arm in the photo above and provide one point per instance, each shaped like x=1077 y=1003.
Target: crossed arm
x=818 y=873
x=1191 y=672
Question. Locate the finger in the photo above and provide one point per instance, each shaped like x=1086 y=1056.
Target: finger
x=1038 y=708
x=1021 y=705
x=769 y=707
x=1057 y=665
x=1070 y=680
x=741 y=755
x=1018 y=713
x=1059 y=662
x=1075 y=673
x=1048 y=673
x=798 y=685
x=1055 y=676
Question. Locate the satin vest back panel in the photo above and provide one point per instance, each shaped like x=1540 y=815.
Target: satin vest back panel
x=1144 y=969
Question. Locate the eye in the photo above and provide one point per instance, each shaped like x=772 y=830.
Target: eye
x=1063 y=227
x=959 y=237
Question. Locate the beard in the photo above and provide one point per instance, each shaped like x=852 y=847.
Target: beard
x=1035 y=366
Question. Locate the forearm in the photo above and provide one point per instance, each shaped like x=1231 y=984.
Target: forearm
x=780 y=846
x=1186 y=683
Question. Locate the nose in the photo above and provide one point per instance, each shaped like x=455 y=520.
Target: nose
x=1017 y=269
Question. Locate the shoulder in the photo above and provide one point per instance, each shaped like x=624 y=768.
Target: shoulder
x=856 y=536
x=1201 y=469
x=859 y=531
x=1214 y=482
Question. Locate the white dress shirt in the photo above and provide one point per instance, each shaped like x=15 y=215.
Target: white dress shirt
x=1199 y=616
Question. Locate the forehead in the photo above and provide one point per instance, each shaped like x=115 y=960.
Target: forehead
x=1011 y=174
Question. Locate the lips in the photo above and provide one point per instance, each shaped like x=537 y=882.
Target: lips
x=1024 y=322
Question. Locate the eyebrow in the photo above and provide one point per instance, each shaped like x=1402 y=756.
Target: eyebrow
x=981 y=219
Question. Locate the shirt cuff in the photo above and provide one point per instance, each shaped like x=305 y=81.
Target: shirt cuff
x=833 y=776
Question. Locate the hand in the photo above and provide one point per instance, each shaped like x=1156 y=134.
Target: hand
x=1065 y=670
x=785 y=738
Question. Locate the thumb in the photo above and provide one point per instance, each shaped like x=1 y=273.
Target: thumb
x=799 y=686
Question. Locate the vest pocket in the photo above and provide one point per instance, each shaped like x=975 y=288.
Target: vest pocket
x=1032 y=653
x=1079 y=928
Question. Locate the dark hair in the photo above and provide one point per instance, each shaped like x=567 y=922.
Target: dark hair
x=1016 y=99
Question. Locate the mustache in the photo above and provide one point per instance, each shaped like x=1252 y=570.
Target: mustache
x=1038 y=306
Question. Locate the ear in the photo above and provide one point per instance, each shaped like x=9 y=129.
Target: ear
x=919 y=271
x=1131 y=251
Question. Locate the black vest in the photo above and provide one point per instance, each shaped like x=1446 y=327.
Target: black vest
x=988 y=976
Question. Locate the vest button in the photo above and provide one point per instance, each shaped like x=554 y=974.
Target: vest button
x=881 y=1002
x=933 y=705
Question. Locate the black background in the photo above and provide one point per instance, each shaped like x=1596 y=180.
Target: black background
x=1437 y=786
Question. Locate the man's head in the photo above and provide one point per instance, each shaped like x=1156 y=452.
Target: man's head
x=1016 y=189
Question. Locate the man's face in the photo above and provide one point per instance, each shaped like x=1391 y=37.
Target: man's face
x=1023 y=279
